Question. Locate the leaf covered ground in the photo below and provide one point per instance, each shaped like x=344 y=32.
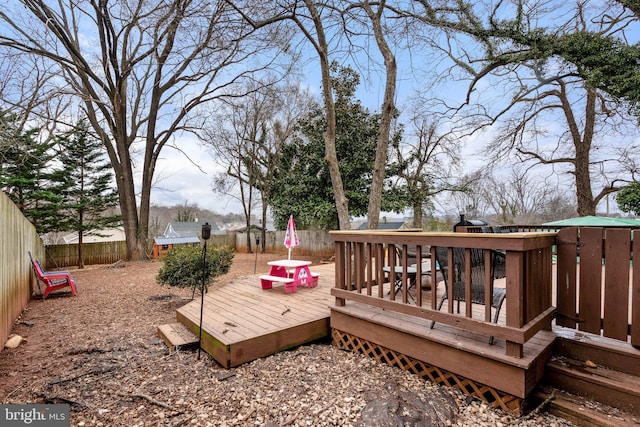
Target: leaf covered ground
x=100 y=353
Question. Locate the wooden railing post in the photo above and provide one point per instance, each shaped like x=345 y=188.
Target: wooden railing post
x=340 y=271
x=359 y=265
x=515 y=298
x=348 y=260
x=379 y=269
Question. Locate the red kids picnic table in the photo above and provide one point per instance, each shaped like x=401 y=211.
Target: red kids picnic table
x=292 y=273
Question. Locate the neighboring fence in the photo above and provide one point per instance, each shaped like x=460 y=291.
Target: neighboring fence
x=312 y=243
x=59 y=256
x=599 y=282
x=17 y=237
x=94 y=253
x=228 y=240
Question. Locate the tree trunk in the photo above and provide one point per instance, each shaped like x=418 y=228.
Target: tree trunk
x=417 y=215
x=80 y=251
x=582 y=145
x=248 y=236
x=142 y=236
x=129 y=212
x=388 y=109
x=329 y=136
x=263 y=229
x=121 y=163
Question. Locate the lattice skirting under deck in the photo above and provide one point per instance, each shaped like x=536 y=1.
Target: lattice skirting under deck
x=491 y=396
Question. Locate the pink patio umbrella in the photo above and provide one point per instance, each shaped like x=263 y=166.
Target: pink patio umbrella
x=291 y=236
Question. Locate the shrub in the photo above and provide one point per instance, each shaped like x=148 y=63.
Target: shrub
x=183 y=266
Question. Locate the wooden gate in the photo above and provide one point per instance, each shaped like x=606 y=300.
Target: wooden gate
x=598 y=287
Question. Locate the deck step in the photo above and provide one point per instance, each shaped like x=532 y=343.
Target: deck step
x=605 y=385
x=176 y=335
x=581 y=411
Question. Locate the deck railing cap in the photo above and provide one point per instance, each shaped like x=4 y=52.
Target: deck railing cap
x=518 y=241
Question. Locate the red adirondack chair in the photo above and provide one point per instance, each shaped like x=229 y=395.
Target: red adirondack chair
x=52 y=280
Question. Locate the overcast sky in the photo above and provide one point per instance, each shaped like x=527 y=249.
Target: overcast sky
x=179 y=181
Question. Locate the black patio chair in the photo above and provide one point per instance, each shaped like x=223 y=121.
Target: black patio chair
x=477 y=278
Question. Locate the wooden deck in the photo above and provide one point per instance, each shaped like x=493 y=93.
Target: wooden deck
x=242 y=322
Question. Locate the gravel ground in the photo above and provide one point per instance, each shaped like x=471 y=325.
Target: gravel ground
x=100 y=353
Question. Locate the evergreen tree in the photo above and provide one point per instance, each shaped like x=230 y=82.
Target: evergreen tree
x=28 y=175
x=628 y=198
x=303 y=179
x=89 y=194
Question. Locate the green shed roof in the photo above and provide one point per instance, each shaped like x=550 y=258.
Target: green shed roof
x=595 y=221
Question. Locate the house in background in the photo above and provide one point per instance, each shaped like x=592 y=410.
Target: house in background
x=180 y=233
x=189 y=229
x=114 y=234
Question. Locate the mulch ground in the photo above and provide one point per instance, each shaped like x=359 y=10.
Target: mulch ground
x=100 y=353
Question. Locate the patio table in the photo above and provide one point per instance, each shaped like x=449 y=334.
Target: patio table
x=412 y=271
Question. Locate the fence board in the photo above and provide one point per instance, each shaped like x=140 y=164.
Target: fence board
x=591 y=279
x=312 y=243
x=635 y=290
x=59 y=256
x=537 y=299
x=616 y=297
x=18 y=238
x=566 y=286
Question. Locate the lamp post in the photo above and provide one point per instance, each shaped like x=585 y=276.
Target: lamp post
x=206 y=234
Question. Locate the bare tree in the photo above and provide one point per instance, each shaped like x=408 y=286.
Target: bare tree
x=237 y=128
x=425 y=162
x=313 y=27
x=583 y=148
x=316 y=23
x=516 y=196
x=291 y=102
x=247 y=137
x=375 y=13
x=543 y=78
x=470 y=199
x=186 y=213
x=141 y=69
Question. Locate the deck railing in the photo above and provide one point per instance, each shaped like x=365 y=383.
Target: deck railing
x=361 y=258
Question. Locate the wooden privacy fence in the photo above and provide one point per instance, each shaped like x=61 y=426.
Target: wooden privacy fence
x=599 y=282
x=312 y=243
x=59 y=256
x=228 y=240
x=94 y=253
x=17 y=237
